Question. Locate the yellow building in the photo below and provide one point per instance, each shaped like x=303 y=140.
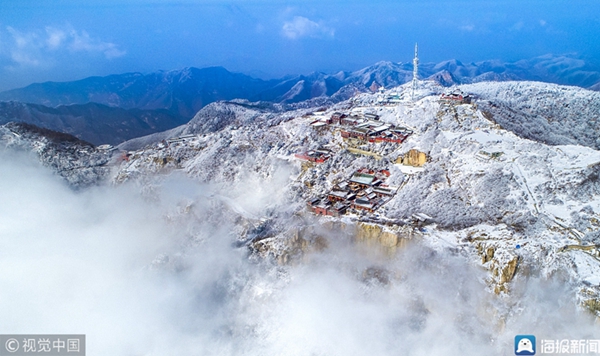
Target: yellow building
x=413 y=158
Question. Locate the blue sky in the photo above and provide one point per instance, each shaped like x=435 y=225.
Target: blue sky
x=67 y=39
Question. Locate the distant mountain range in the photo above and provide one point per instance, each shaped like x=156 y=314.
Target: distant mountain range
x=180 y=94
x=184 y=92
x=91 y=122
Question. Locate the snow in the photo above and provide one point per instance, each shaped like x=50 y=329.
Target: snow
x=485 y=137
x=588 y=267
x=576 y=157
x=538 y=193
x=409 y=169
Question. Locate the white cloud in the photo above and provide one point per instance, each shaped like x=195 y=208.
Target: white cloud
x=39 y=48
x=55 y=38
x=81 y=41
x=21 y=40
x=23 y=59
x=301 y=26
x=23 y=49
x=543 y=22
x=468 y=28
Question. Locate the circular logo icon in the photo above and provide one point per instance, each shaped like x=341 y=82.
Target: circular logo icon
x=12 y=345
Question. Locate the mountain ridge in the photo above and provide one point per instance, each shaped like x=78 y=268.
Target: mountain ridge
x=92 y=122
x=185 y=91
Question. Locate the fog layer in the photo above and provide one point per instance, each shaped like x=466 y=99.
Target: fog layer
x=159 y=273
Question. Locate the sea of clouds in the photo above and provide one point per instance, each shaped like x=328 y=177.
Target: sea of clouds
x=156 y=271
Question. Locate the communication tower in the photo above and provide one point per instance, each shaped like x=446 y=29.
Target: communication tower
x=415 y=71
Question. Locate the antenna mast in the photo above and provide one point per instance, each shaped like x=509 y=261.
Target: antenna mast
x=415 y=71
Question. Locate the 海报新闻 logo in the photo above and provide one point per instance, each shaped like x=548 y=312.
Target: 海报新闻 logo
x=524 y=345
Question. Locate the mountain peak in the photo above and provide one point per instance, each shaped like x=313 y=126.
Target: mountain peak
x=187 y=90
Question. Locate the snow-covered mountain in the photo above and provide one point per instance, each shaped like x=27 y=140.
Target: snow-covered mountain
x=510 y=183
x=116 y=108
x=78 y=162
x=184 y=92
x=518 y=200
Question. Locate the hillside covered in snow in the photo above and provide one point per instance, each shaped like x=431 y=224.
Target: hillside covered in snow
x=505 y=180
x=511 y=179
